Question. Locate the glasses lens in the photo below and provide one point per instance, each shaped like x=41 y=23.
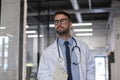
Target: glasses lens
x=56 y=21
x=64 y=20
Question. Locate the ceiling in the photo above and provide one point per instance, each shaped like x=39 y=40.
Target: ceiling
x=40 y=12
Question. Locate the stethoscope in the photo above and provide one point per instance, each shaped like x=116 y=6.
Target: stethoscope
x=60 y=59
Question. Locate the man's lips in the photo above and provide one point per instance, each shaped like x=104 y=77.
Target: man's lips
x=60 y=28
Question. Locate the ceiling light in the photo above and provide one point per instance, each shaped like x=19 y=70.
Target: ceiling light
x=28 y=32
x=27 y=26
x=81 y=24
x=76 y=24
x=82 y=30
x=51 y=25
x=10 y=35
x=2 y=27
x=34 y=36
x=84 y=34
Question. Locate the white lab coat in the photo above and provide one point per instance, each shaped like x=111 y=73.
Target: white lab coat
x=50 y=56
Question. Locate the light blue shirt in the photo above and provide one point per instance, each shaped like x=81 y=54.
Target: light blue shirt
x=74 y=58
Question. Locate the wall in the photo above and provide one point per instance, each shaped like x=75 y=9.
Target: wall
x=117 y=47
x=114 y=40
x=99 y=38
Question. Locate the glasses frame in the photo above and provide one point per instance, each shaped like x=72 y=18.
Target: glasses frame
x=62 y=21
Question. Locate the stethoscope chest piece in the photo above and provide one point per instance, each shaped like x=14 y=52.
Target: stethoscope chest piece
x=60 y=59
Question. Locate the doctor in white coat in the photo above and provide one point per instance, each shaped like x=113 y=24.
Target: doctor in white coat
x=53 y=63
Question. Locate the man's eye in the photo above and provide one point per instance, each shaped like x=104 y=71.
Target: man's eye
x=56 y=21
x=63 y=20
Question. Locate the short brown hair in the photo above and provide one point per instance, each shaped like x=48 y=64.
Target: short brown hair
x=64 y=13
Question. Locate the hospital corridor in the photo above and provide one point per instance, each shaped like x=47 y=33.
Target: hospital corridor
x=27 y=28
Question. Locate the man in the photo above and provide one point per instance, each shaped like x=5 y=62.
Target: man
x=66 y=58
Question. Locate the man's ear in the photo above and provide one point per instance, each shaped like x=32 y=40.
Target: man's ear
x=71 y=25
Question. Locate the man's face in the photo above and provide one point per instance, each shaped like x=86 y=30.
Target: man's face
x=62 y=24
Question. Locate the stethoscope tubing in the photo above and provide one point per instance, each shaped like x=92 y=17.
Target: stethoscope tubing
x=60 y=59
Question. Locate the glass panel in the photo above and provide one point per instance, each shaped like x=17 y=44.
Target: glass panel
x=0 y=47
x=9 y=39
x=6 y=46
x=0 y=52
x=3 y=51
x=31 y=57
x=0 y=12
x=100 y=68
x=0 y=62
x=5 y=64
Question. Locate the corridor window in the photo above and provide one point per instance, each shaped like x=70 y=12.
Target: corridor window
x=100 y=63
x=4 y=52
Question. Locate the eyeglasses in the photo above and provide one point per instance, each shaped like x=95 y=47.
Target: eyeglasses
x=62 y=21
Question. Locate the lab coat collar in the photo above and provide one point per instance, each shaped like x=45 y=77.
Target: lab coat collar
x=61 y=41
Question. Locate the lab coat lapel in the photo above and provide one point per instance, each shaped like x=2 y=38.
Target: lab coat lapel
x=62 y=64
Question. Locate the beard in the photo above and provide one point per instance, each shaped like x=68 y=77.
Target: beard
x=62 y=32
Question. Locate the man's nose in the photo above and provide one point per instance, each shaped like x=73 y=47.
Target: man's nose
x=59 y=23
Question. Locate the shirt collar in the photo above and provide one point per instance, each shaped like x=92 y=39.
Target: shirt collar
x=61 y=41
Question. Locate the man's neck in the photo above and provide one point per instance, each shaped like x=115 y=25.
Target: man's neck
x=65 y=37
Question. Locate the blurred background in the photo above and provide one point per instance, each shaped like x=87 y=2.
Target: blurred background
x=26 y=29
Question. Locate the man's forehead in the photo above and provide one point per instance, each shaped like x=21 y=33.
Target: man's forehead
x=60 y=16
